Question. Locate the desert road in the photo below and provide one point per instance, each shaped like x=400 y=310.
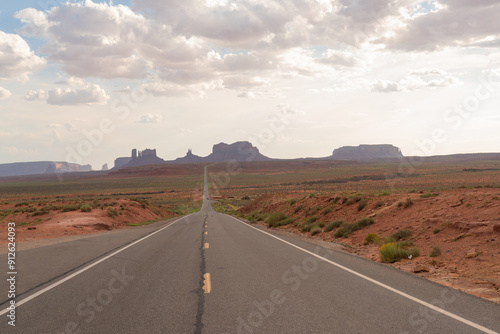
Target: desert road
x=211 y=273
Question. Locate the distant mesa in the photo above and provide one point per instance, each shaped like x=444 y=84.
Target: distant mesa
x=239 y=151
x=41 y=167
x=139 y=158
x=189 y=158
x=105 y=167
x=367 y=152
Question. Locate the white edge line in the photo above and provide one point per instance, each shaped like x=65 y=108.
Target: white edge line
x=67 y=278
x=437 y=309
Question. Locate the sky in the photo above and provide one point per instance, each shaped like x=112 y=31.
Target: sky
x=88 y=81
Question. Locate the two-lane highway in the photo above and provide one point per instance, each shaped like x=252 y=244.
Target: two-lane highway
x=211 y=273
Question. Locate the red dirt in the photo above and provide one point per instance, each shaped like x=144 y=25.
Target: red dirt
x=463 y=223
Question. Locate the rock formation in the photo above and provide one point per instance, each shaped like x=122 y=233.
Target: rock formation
x=139 y=158
x=41 y=167
x=189 y=158
x=367 y=153
x=239 y=151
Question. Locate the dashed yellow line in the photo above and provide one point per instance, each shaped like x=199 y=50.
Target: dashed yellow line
x=207 y=283
x=206 y=232
x=206 y=245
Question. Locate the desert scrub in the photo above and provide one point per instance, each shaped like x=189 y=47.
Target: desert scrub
x=395 y=251
x=362 y=204
x=401 y=234
x=429 y=195
x=256 y=216
x=334 y=224
x=379 y=204
x=292 y=201
x=305 y=228
x=346 y=229
x=405 y=204
x=435 y=251
x=335 y=199
x=326 y=211
x=298 y=208
x=85 y=208
x=436 y=230
x=112 y=212
x=315 y=230
x=70 y=207
x=352 y=200
x=312 y=211
x=373 y=238
x=311 y=220
x=278 y=219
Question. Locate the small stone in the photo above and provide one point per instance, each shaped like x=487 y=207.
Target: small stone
x=471 y=253
x=31 y=228
x=419 y=268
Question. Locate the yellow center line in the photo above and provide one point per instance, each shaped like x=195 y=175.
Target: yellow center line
x=206 y=232
x=206 y=245
x=207 y=283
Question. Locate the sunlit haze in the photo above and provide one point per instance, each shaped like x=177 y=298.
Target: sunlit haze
x=296 y=78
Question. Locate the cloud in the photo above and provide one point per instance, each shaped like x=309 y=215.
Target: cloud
x=36 y=95
x=70 y=81
x=16 y=58
x=454 y=23
x=339 y=58
x=417 y=79
x=151 y=118
x=4 y=93
x=246 y=95
x=382 y=86
x=91 y=94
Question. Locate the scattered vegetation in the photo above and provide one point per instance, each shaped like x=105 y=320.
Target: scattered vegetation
x=373 y=238
x=435 y=251
x=326 y=211
x=311 y=220
x=395 y=251
x=405 y=204
x=362 y=204
x=256 y=216
x=379 y=204
x=112 y=212
x=85 y=208
x=298 y=208
x=315 y=230
x=70 y=207
x=429 y=195
x=334 y=224
x=436 y=230
x=292 y=201
x=400 y=234
x=278 y=219
x=346 y=229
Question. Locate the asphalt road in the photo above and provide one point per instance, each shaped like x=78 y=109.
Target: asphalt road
x=211 y=273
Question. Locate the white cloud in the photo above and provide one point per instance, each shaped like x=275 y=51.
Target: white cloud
x=151 y=118
x=383 y=86
x=4 y=93
x=70 y=81
x=17 y=60
x=417 y=79
x=36 y=95
x=90 y=94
